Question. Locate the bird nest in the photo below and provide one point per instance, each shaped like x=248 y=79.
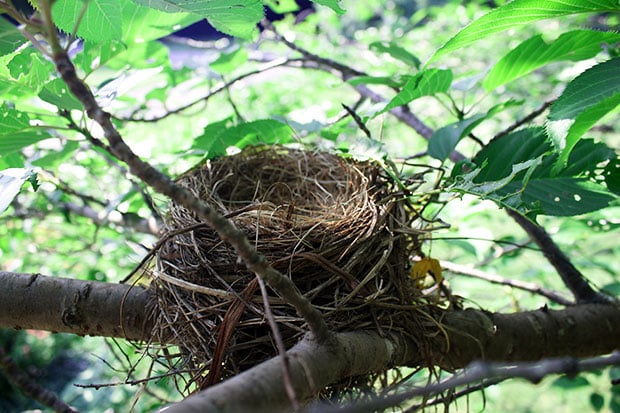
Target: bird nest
x=342 y=230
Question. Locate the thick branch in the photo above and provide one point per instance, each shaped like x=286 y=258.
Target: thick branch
x=64 y=305
x=580 y=331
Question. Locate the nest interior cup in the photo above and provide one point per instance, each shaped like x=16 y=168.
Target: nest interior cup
x=339 y=228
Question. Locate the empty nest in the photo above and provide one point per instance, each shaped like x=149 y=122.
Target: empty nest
x=341 y=229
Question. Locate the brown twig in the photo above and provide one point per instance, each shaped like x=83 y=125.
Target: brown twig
x=163 y=184
x=530 y=117
x=496 y=279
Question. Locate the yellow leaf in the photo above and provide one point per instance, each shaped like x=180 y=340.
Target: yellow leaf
x=426 y=265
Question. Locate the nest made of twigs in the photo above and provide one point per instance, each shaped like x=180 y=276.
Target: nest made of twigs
x=341 y=229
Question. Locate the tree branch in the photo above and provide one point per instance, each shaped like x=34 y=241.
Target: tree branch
x=570 y=275
x=64 y=305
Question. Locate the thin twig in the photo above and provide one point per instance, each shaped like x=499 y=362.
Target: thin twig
x=286 y=373
x=481 y=371
x=496 y=279
x=530 y=117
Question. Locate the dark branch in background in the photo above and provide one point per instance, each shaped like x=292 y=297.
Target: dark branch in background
x=530 y=117
x=496 y=279
x=480 y=372
x=164 y=185
x=572 y=278
x=30 y=387
x=123 y=220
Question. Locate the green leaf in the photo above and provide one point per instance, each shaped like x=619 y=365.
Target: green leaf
x=335 y=5
x=396 y=52
x=518 y=13
x=567 y=196
x=234 y=17
x=227 y=62
x=100 y=21
x=16 y=132
x=535 y=52
x=11 y=181
x=142 y=23
x=575 y=190
x=445 y=139
x=586 y=99
x=53 y=159
x=597 y=402
x=10 y=37
x=425 y=83
x=612 y=176
x=30 y=70
x=57 y=93
x=570 y=383
x=219 y=136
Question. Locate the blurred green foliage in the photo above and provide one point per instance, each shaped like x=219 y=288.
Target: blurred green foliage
x=141 y=81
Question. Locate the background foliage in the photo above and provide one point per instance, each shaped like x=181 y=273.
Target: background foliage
x=178 y=101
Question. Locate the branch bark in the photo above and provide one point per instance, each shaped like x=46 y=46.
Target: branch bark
x=64 y=305
x=117 y=310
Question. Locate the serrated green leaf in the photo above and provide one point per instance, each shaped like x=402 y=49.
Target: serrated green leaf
x=518 y=13
x=57 y=93
x=12 y=120
x=586 y=99
x=535 y=52
x=227 y=62
x=10 y=38
x=425 y=83
x=335 y=5
x=396 y=52
x=100 y=21
x=234 y=17
x=574 y=191
x=142 y=23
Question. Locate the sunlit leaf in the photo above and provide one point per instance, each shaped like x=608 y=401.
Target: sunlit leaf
x=16 y=131
x=335 y=5
x=219 y=136
x=99 y=21
x=234 y=17
x=10 y=37
x=142 y=23
x=424 y=83
x=535 y=52
x=57 y=93
x=518 y=13
x=282 y=6
x=11 y=181
x=228 y=62
x=586 y=99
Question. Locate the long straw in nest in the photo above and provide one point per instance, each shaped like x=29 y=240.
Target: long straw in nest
x=341 y=229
